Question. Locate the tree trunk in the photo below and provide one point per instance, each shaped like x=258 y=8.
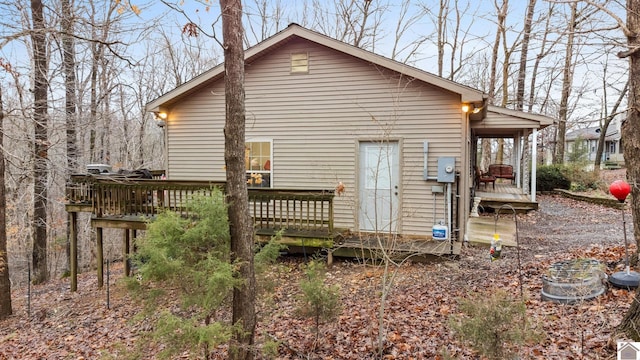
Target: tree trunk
x=5 y=283
x=630 y=324
x=493 y=73
x=441 y=28
x=485 y=155
x=502 y=30
x=522 y=70
x=69 y=63
x=631 y=127
x=96 y=53
x=241 y=228
x=41 y=146
x=500 y=151
x=93 y=104
x=567 y=81
x=607 y=121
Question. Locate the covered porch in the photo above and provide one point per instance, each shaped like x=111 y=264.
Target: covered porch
x=519 y=131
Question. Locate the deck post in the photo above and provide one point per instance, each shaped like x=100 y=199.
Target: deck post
x=73 y=251
x=100 y=257
x=134 y=235
x=126 y=246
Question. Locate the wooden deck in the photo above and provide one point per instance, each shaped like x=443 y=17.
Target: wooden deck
x=504 y=193
x=303 y=217
x=372 y=247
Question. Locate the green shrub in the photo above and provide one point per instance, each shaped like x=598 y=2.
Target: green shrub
x=493 y=324
x=582 y=180
x=189 y=259
x=550 y=177
x=318 y=300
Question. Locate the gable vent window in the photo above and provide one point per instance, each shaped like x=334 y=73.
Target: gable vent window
x=299 y=63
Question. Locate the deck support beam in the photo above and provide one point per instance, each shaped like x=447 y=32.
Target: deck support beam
x=73 y=251
x=100 y=257
x=126 y=247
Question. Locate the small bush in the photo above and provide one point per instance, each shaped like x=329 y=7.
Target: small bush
x=493 y=324
x=582 y=180
x=318 y=300
x=550 y=177
x=189 y=259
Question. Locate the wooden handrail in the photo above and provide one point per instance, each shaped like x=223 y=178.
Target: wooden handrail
x=299 y=212
x=293 y=210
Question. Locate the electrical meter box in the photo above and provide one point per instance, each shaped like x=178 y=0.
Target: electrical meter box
x=446 y=169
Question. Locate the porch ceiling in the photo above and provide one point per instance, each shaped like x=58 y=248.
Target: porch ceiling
x=507 y=123
x=495 y=133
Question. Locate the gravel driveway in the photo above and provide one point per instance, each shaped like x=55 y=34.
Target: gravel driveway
x=561 y=224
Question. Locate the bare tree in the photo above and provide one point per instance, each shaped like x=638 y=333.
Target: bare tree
x=408 y=17
x=567 y=81
x=607 y=118
x=501 y=9
x=546 y=47
x=442 y=33
x=5 y=283
x=524 y=51
x=502 y=32
x=522 y=72
x=451 y=38
x=241 y=229
x=69 y=65
x=264 y=18
x=41 y=146
x=630 y=324
x=354 y=22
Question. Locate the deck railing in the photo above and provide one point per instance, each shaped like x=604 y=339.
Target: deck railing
x=295 y=212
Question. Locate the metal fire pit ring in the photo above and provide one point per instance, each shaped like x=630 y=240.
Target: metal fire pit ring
x=572 y=281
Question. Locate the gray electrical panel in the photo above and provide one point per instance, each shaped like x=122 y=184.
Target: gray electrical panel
x=446 y=169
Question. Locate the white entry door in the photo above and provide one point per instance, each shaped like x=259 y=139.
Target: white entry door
x=379 y=186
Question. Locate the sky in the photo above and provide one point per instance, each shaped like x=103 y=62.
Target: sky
x=478 y=18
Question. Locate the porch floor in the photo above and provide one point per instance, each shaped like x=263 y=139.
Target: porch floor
x=371 y=247
x=504 y=193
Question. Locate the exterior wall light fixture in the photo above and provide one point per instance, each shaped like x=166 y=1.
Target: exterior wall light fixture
x=160 y=118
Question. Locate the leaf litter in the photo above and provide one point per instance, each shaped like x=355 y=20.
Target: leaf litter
x=64 y=325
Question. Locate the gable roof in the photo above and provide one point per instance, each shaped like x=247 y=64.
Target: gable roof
x=592 y=133
x=501 y=122
x=293 y=31
x=544 y=121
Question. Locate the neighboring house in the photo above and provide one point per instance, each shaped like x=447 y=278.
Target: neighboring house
x=321 y=113
x=583 y=143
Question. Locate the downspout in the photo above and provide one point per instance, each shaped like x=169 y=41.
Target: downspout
x=449 y=215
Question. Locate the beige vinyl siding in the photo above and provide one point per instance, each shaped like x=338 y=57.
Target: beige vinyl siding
x=195 y=138
x=316 y=121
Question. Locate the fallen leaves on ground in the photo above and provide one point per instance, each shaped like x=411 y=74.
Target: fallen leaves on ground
x=58 y=324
